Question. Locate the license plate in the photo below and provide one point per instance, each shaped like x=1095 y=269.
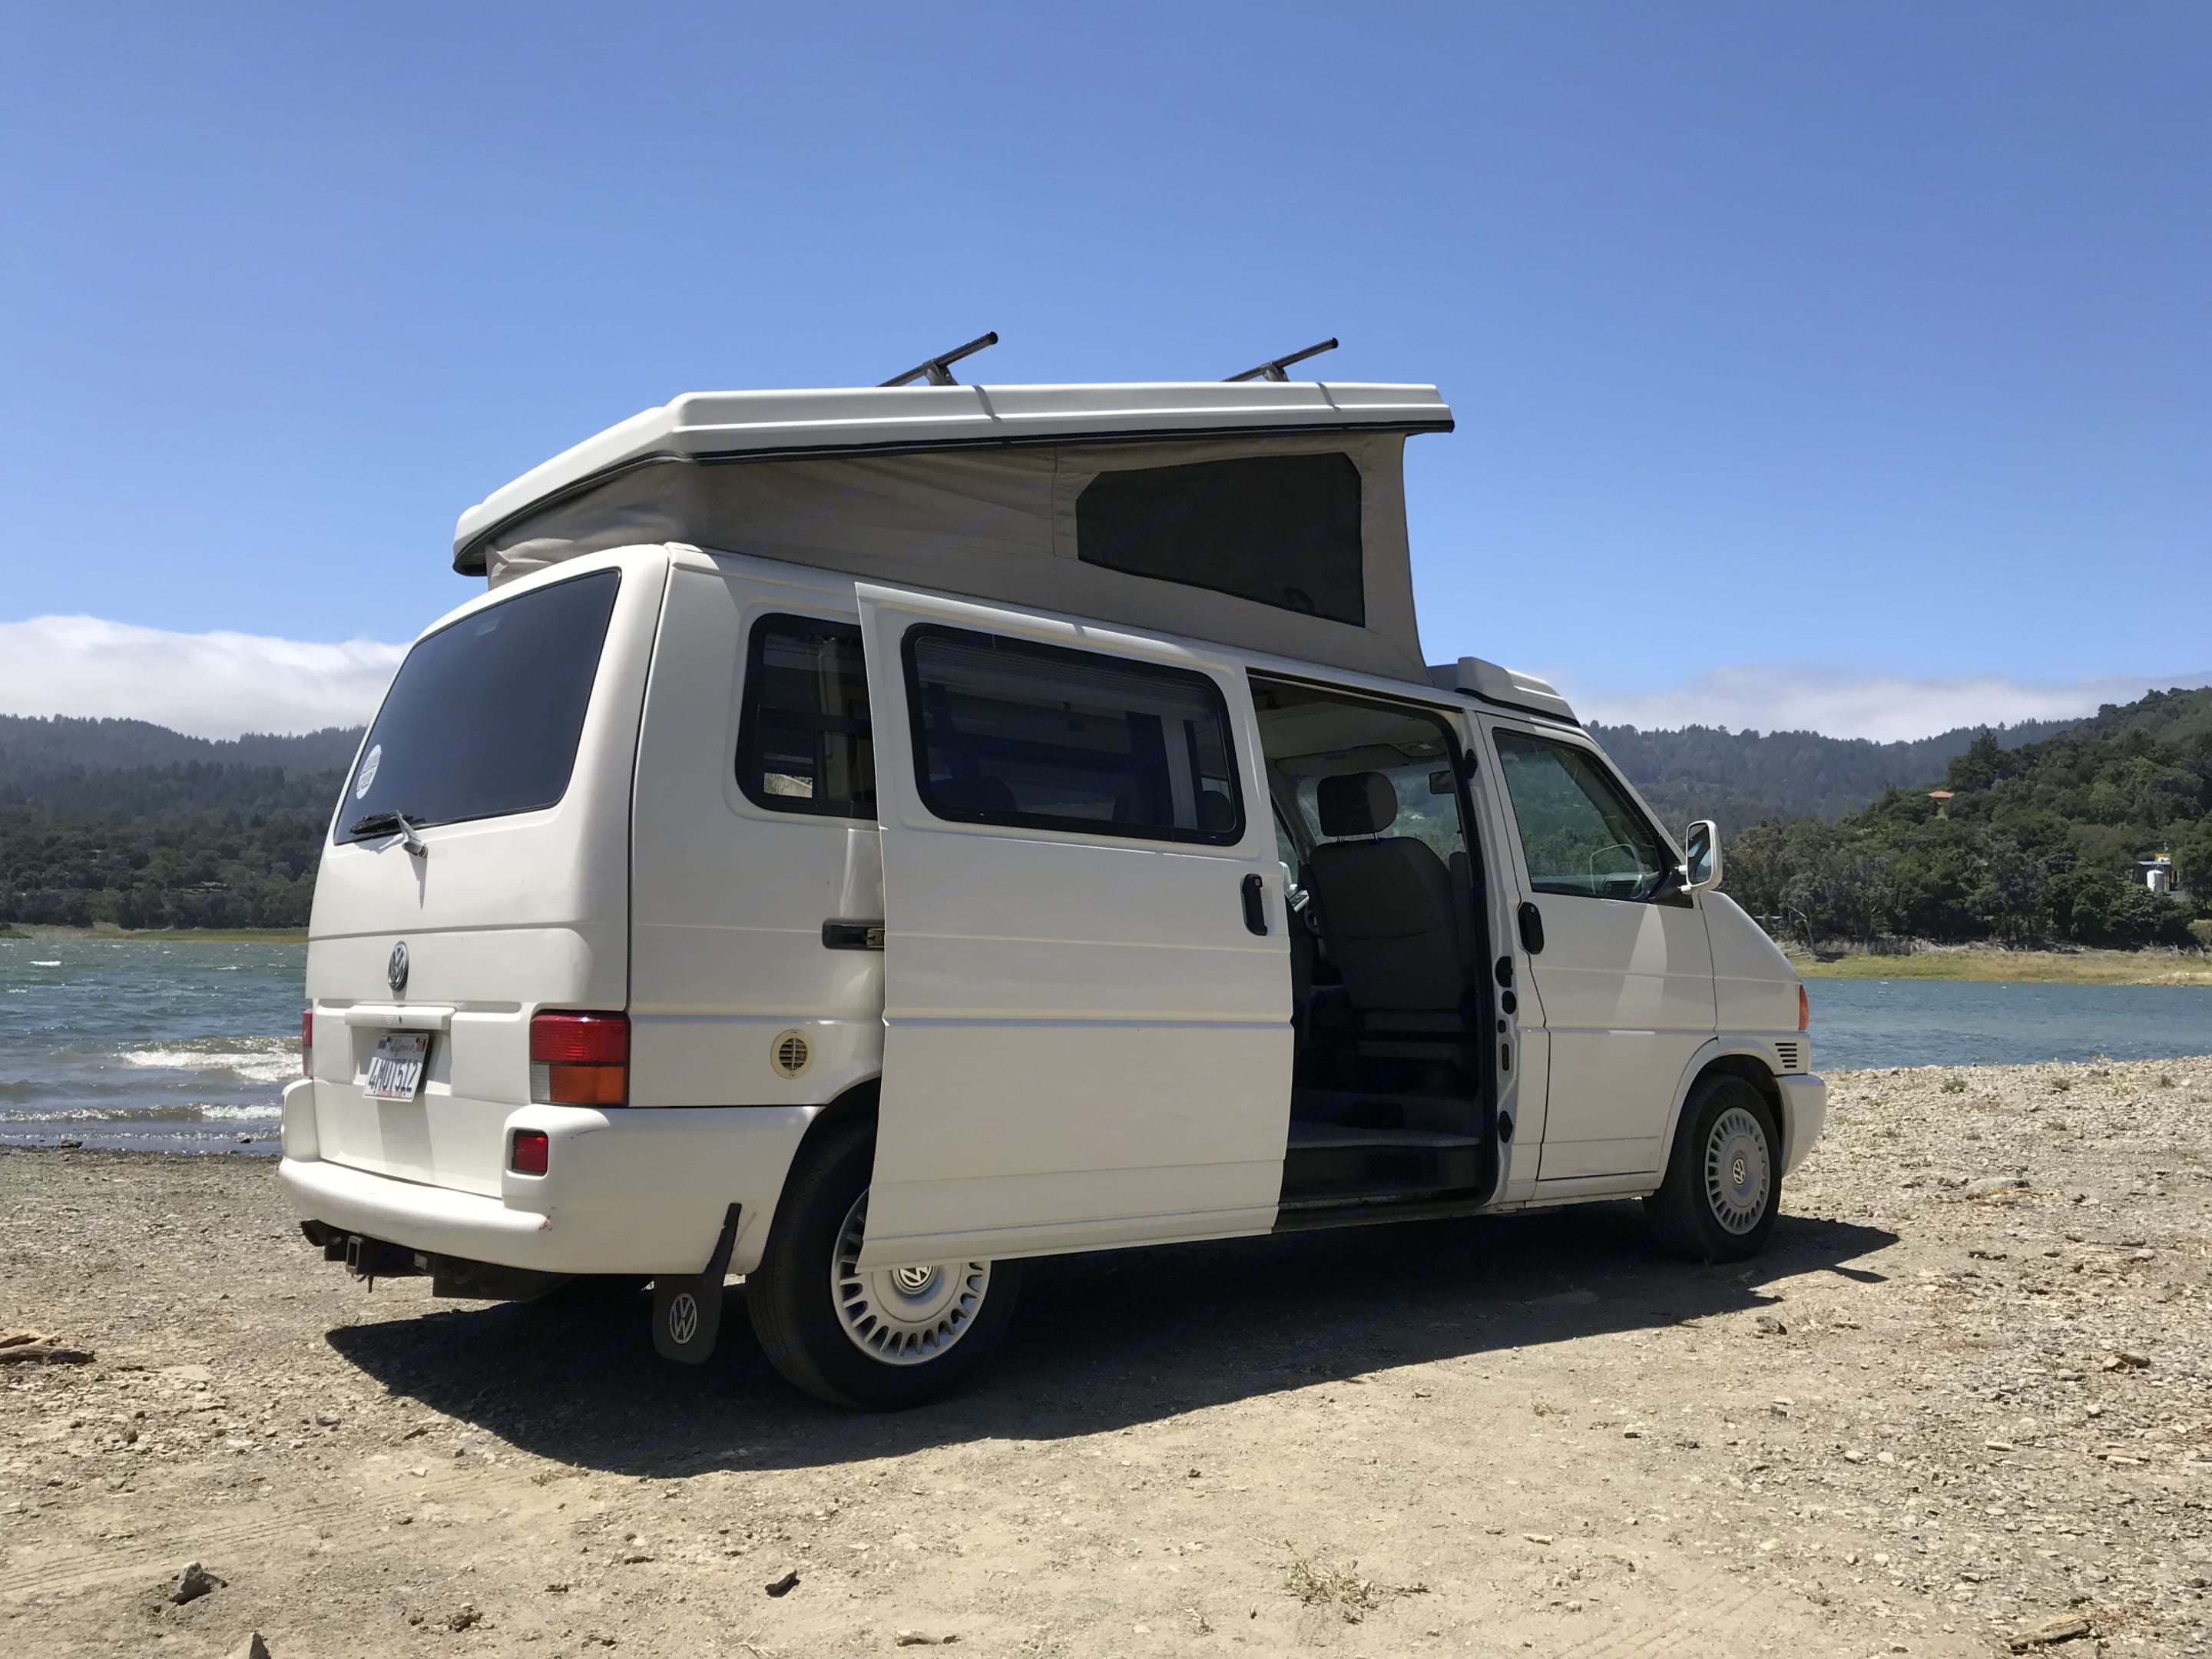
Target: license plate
x=395 y=1066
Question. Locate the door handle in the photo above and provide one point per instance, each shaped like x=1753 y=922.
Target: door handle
x=1532 y=928
x=1256 y=904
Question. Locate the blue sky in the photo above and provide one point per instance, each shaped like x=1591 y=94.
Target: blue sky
x=1850 y=364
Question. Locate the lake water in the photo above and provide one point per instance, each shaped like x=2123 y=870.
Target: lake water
x=1902 y=1022
x=178 y=1045
x=184 y=1045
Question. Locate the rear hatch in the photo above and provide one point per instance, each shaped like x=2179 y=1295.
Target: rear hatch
x=507 y=743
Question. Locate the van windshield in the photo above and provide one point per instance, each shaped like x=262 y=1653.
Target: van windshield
x=484 y=716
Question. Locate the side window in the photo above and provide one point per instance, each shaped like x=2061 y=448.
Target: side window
x=1013 y=733
x=804 y=743
x=1578 y=832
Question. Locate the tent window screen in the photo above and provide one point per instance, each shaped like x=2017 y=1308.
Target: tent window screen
x=1033 y=736
x=1280 y=529
x=804 y=744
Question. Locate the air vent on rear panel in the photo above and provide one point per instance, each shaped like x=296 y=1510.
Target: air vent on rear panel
x=1788 y=1053
x=790 y=1054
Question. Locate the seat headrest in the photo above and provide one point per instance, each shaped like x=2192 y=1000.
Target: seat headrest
x=1356 y=804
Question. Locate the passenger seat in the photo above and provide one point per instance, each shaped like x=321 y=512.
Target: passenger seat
x=1388 y=909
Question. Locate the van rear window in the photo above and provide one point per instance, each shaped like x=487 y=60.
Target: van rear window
x=1280 y=529
x=484 y=715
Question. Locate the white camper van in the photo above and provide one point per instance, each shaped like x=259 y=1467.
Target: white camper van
x=861 y=839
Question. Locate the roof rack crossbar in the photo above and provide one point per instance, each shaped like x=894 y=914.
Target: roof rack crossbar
x=938 y=370
x=1273 y=370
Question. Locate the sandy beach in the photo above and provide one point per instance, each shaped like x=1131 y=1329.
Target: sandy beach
x=1966 y=1398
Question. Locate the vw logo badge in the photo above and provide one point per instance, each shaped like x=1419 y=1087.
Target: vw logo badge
x=395 y=971
x=683 y=1318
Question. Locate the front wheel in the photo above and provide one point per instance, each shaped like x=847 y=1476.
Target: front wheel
x=878 y=1339
x=1724 y=1186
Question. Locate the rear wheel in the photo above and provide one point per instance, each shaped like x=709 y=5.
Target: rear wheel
x=1723 y=1186
x=878 y=1339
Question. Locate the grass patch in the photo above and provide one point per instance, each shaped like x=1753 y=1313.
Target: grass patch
x=1954 y=1085
x=1988 y=964
x=1320 y=1585
x=229 y=935
x=2060 y=1086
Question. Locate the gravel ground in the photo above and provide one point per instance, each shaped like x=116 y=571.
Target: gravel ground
x=1943 y=1410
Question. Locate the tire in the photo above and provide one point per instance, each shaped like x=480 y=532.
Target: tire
x=877 y=1341
x=1724 y=1186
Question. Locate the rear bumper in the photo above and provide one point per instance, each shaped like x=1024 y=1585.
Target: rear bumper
x=635 y=1191
x=1805 y=1107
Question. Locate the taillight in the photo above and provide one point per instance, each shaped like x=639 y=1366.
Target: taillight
x=580 y=1059
x=307 y=1042
x=532 y=1150
x=1804 y=1011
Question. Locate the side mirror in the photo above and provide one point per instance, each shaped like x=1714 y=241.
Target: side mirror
x=1701 y=857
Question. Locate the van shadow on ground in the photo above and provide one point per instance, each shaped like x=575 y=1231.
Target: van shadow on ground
x=1101 y=1342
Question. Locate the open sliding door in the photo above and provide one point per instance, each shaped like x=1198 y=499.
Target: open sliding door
x=1086 y=1001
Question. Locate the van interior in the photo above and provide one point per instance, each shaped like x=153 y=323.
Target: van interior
x=1393 y=1097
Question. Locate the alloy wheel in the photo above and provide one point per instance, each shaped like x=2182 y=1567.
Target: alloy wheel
x=902 y=1315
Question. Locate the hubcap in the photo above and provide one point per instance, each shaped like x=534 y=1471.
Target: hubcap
x=902 y=1315
x=1738 y=1170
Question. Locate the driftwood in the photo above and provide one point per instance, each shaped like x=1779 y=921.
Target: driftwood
x=39 y=1347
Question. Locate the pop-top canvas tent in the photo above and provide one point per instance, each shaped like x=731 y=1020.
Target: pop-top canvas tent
x=1266 y=515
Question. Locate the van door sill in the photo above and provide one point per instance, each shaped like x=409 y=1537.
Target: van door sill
x=1303 y=1215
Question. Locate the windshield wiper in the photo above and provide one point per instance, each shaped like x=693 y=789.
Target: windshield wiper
x=397 y=825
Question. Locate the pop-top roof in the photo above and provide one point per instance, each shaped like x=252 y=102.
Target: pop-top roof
x=711 y=426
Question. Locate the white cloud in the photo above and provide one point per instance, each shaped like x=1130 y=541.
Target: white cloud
x=1886 y=708
x=217 y=685
x=211 y=685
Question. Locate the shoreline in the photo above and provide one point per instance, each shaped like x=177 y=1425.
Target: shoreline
x=1987 y=964
x=57 y=933
x=1991 y=964
x=261 y=1140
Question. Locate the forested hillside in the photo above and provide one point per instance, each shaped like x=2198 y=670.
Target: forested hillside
x=2038 y=842
x=1738 y=778
x=118 y=821
x=34 y=750
x=125 y=822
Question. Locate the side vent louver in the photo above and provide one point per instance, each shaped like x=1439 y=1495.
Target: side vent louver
x=1791 y=1054
x=791 y=1053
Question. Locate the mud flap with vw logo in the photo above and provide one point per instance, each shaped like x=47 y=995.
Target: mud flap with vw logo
x=687 y=1308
